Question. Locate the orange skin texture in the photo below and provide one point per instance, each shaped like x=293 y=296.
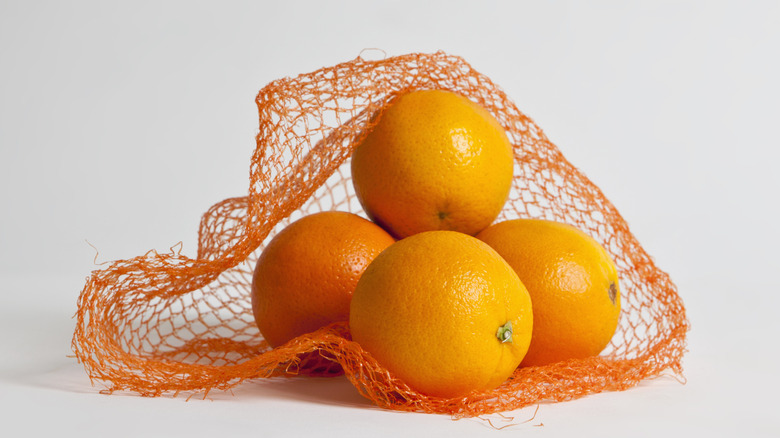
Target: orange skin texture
x=434 y=161
x=428 y=309
x=573 y=285
x=305 y=277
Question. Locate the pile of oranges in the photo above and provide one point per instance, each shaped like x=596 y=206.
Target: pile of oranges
x=442 y=297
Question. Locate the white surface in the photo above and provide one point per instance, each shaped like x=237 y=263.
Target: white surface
x=121 y=124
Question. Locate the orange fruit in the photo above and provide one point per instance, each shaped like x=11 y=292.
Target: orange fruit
x=305 y=276
x=573 y=285
x=434 y=161
x=444 y=313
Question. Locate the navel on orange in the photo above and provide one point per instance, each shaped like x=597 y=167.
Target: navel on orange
x=305 y=276
x=444 y=313
x=573 y=285
x=434 y=161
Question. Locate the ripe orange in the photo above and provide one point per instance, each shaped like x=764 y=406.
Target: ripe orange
x=305 y=276
x=573 y=284
x=444 y=313
x=434 y=161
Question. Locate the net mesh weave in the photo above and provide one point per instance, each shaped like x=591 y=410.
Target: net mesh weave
x=166 y=323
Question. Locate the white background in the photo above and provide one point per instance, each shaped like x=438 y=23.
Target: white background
x=121 y=123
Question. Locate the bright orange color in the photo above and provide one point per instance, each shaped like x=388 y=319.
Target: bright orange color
x=430 y=308
x=168 y=324
x=573 y=285
x=305 y=277
x=434 y=161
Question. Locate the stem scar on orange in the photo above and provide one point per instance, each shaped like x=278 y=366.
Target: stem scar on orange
x=444 y=313
x=305 y=276
x=435 y=160
x=573 y=285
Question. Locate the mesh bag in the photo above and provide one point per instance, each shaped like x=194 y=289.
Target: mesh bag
x=167 y=323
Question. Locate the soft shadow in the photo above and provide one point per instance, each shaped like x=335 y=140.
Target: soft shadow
x=68 y=377
x=36 y=344
x=38 y=354
x=324 y=390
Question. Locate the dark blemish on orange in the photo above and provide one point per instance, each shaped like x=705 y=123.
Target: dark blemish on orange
x=613 y=292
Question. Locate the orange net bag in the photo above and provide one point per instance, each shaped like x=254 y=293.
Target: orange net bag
x=167 y=323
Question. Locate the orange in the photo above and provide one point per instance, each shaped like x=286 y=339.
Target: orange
x=443 y=312
x=434 y=161
x=573 y=284
x=305 y=276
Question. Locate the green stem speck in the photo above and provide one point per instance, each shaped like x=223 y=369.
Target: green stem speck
x=504 y=333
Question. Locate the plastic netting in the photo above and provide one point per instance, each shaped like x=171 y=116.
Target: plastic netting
x=168 y=324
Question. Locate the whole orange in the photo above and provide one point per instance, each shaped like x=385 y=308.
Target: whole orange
x=305 y=276
x=444 y=313
x=573 y=284
x=434 y=161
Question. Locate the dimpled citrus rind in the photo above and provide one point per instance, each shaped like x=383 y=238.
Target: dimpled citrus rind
x=573 y=284
x=305 y=276
x=434 y=161
x=429 y=307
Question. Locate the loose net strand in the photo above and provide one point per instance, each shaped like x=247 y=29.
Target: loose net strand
x=164 y=323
